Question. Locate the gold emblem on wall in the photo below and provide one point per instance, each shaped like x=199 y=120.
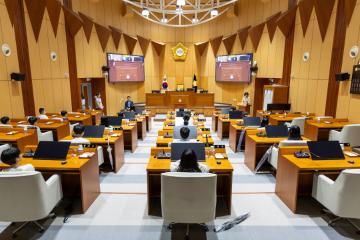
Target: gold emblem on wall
x=179 y=52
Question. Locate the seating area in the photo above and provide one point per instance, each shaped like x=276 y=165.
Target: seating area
x=179 y=119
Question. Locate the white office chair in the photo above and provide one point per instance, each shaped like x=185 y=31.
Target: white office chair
x=299 y=121
x=340 y=197
x=42 y=136
x=27 y=197
x=188 y=198
x=349 y=134
x=99 y=149
x=286 y=143
x=3 y=148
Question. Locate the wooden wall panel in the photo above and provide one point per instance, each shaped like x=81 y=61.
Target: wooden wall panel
x=10 y=92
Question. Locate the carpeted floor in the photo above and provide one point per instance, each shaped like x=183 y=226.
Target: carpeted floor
x=121 y=210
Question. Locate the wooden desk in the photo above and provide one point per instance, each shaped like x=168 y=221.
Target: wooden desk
x=318 y=131
x=243 y=108
x=130 y=137
x=79 y=176
x=116 y=144
x=19 y=139
x=148 y=122
x=256 y=147
x=141 y=127
x=294 y=177
x=95 y=115
x=58 y=128
x=164 y=142
x=84 y=119
x=234 y=135
x=224 y=126
x=277 y=119
x=224 y=184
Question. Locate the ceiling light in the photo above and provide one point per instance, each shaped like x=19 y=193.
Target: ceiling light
x=179 y=10
x=164 y=20
x=145 y=12
x=214 y=12
x=180 y=2
x=195 y=20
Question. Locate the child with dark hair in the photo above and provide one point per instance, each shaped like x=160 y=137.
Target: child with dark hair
x=11 y=157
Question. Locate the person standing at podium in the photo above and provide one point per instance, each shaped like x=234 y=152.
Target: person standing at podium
x=129 y=104
x=98 y=102
x=246 y=99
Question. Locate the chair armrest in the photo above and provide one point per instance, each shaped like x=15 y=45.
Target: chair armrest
x=322 y=188
x=287 y=124
x=48 y=136
x=54 y=191
x=334 y=135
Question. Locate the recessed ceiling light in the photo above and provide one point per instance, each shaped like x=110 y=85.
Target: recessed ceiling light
x=214 y=12
x=179 y=10
x=195 y=20
x=164 y=20
x=145 y=12
x=180 y=2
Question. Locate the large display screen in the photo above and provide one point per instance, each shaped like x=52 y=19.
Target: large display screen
x=125 y=68
x=234 y=68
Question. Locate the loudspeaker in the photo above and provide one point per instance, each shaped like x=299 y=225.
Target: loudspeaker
x=342 y=76
x=17 y=76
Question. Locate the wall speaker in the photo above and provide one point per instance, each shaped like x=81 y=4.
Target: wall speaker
x=342 y=76
x=17 y=76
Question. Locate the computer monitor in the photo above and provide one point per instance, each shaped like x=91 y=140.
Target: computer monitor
x=114 y=121
x=236 y=114
x=225 y=110
x=278 y=107
x=94 y=131
x=252 y=122
x=182 y=113
x=325 y=150
x=178 y=148
x=129 y=115
x=276 y=131
x=52 y=150
x=192 y=135
x=139 y=110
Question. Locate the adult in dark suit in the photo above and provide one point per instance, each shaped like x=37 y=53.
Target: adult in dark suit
x=129 y=104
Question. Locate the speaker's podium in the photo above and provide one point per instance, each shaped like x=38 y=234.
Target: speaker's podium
x=164 y=102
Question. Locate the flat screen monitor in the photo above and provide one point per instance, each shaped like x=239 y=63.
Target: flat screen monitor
x=236 y=114
x=278 y=107
x=178 y=148
x=129 y=115
x=52 y=150
x=225 y=110
x=276 y=131
x=94 y=131
x=252 y=122
x=192 y=135
x=125 y=68
x=325 y=150
x=234 y=68
x=111 y=121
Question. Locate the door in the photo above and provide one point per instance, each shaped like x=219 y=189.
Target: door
x=87 y=93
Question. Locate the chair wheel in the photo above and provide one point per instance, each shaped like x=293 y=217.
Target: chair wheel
x=322 y=211
x=53 y=216
x=187 y=237
x=41 y=230
x=358 y=232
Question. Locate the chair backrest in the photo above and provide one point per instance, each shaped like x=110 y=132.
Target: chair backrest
x=3 y=148
x=351 y=134
x=192 y=135
x=23 y=196
x=348 y=192
x=299 y=121
x=290 y=143
x=188 y=197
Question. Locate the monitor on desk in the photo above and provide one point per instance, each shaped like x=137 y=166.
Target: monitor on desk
x=236 y=114
x=52 y=150
x=182 y=113
x=276 y=131
x=252 y=122
x=192 y=135
x=225 y=110
x=94 y=131
x=111 y=121
x=129 y=115
x=325 y=150
x=178 y=148
x=278 y=107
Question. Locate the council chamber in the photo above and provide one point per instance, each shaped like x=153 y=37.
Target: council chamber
x=179 y=119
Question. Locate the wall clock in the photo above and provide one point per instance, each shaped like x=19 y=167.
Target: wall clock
x=179 y=52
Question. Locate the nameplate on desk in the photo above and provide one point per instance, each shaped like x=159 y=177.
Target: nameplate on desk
x=118 y=129
x=12 y=133
x=166 y=155
x=21 y=122
x=168 y=136
x=49 y=123
x=86 y=155
x=115 y=135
